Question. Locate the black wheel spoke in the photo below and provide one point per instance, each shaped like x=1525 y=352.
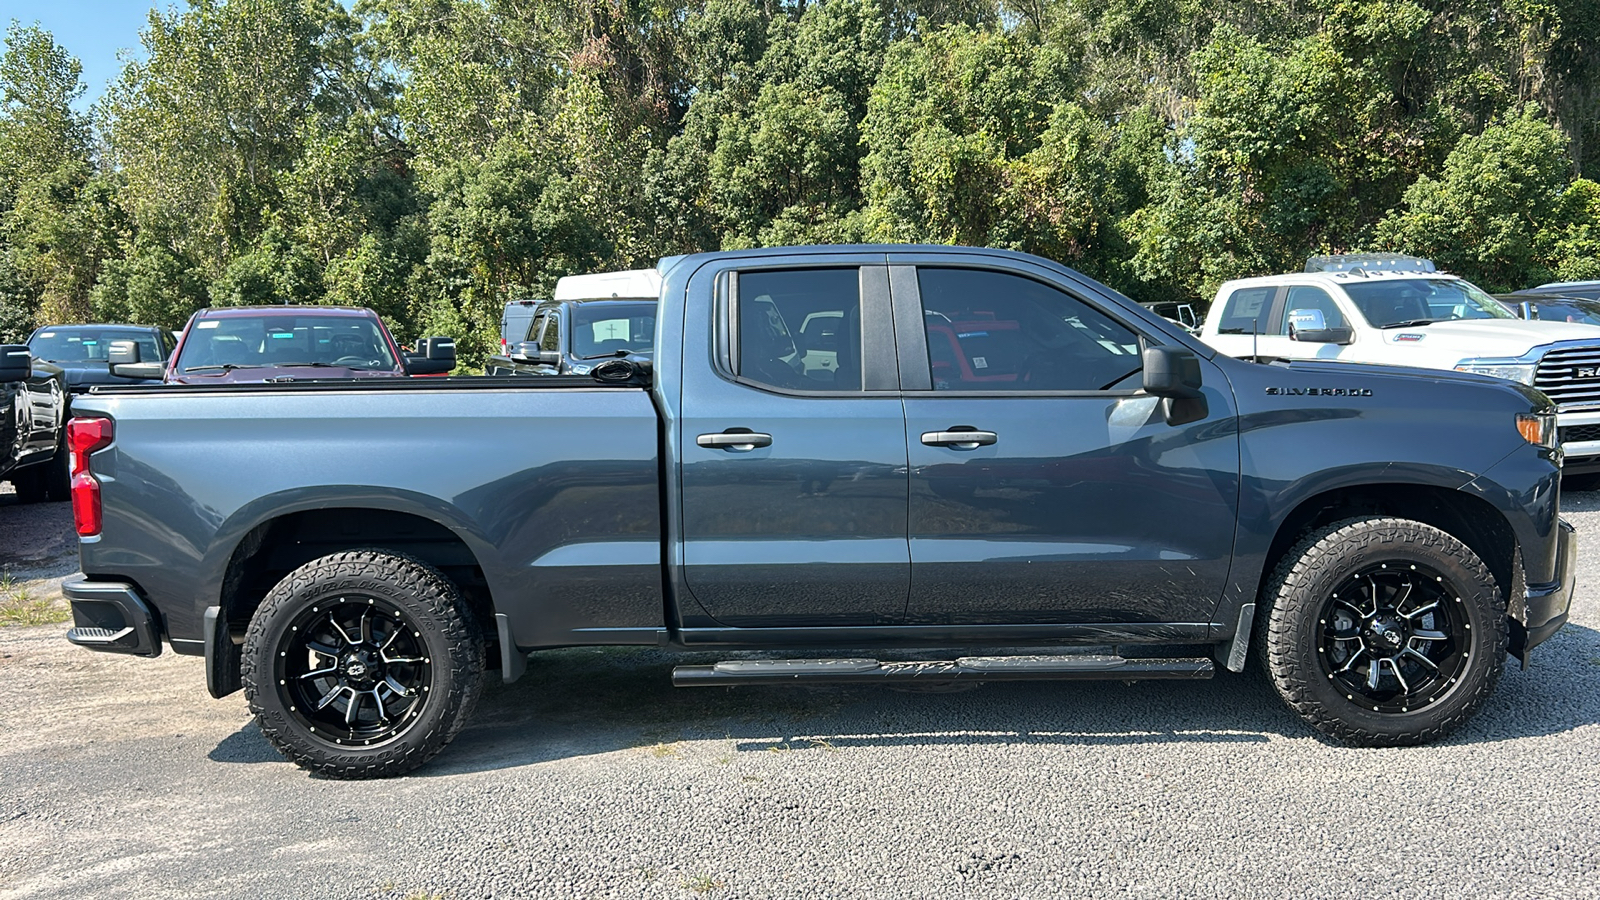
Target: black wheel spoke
x=1393 y=644
x=366 y=691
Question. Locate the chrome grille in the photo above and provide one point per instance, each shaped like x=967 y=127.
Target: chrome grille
x=1570 y=375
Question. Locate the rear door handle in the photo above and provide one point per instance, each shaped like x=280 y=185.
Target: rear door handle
x=735 y=441
x=959 y=440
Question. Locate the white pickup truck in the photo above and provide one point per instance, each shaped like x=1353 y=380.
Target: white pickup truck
x=1398 y=310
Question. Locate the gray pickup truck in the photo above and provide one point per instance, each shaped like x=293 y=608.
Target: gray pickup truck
x=992 y=453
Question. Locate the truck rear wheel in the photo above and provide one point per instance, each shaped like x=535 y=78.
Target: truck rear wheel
x=1384 y=632
x=362 y=664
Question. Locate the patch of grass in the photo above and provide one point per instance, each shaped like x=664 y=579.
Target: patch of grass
x=702 y=884
x=18 y=607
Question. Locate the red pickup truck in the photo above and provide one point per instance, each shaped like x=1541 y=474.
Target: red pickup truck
x=286 y=343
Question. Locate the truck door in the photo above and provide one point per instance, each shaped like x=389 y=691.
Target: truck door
x=1046 y=487
x=793 y=492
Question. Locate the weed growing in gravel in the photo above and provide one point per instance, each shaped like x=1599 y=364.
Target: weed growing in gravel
x=18 y=607
x=702 y=884
x=665 y=751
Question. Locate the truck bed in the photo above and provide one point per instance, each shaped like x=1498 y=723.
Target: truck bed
x=529 y=489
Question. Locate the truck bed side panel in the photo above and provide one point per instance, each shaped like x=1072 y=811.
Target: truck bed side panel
x=555 y=492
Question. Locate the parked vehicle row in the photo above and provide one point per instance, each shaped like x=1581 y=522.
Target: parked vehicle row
x=590 y=318
x=1398 y=310
x=884 y=448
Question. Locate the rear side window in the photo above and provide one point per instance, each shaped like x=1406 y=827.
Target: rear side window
x=1244 y=310
x=800 y=329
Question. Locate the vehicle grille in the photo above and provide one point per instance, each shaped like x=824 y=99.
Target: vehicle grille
x=1580 y=433
x=1570 y=375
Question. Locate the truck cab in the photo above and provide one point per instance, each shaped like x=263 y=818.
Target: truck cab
x=1398 y=310
x=591 y=318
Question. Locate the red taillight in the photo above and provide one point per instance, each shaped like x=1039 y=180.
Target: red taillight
x=84 y=436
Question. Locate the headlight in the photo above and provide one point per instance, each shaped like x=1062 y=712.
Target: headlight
x=1538 y=429
x=1510 y=371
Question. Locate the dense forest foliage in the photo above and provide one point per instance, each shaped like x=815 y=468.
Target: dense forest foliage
x=433 y=158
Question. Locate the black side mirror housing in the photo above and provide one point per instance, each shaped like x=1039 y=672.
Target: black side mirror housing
x=123 y=356
x=434 y=356
x=526 y=351
x=122 y=353
x=16 y=362
x=1173 y=374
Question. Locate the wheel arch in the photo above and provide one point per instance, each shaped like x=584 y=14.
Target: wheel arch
x=1472 y=520
x=275 y=546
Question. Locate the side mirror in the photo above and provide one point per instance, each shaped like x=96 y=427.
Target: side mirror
x=439 y=348
x=434 y=356
x=16 y=362
x=526 y=351
x=550 y=357
x=1173 y=374
x=1310 y=326
x=122 y=353
x=123 y=357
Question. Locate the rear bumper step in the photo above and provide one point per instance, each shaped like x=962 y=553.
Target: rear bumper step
x=110 y=616
x=967 y=668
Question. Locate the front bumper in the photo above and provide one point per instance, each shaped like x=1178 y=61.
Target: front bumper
x=1546 y=607
x=111 y=617
x=1579 y=431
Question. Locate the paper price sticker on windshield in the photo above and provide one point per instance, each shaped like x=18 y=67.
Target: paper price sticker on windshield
x=979 y=362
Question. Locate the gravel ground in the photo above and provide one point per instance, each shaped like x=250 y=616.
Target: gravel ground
x=592 y=777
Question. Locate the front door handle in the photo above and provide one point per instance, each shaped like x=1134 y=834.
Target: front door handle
x=735 y=441
x=959 y=438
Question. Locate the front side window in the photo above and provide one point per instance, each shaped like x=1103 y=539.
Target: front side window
x=551 y=339
x=800 y=329
x=1303 y=296
x=994 y=331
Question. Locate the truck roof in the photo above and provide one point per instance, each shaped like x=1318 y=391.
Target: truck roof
x=229 y=312
x=1335 y=278
x=642 y=284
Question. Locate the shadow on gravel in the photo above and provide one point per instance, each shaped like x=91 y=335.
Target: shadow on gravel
x=245 y=746
x=586 y=701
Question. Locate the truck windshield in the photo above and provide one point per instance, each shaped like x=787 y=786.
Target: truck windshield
x=1397 y=302
x=68 y=345
x=601 y=329
x=283 y=341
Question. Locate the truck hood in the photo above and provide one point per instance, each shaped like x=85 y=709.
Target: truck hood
x=248 y=375
x=1364 y=370
x=1488 y=338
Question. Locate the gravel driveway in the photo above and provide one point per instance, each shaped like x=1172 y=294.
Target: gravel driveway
x=592 y=777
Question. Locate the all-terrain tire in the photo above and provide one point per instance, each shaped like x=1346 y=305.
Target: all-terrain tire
x=1298 y=638
x=299 y=652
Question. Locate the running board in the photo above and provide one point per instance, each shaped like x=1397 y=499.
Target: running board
x=967 y=668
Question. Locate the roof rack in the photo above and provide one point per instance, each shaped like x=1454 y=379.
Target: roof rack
x=1363 y=263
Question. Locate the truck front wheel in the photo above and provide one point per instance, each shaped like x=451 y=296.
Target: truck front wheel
x=1384 y=632
x=362 y=664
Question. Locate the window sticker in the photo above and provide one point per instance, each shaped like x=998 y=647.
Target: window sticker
x=979 y=362
x=211 y=324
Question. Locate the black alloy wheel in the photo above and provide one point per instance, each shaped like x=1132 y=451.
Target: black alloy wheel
x=1394 y=638
x=355 y=670
x=1382 y=632
x=362 y=664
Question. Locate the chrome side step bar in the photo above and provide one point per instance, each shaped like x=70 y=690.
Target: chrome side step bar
x=966 y=668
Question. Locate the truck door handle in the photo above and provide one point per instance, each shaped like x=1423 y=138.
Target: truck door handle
x=735 y=441
x=959 y=439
